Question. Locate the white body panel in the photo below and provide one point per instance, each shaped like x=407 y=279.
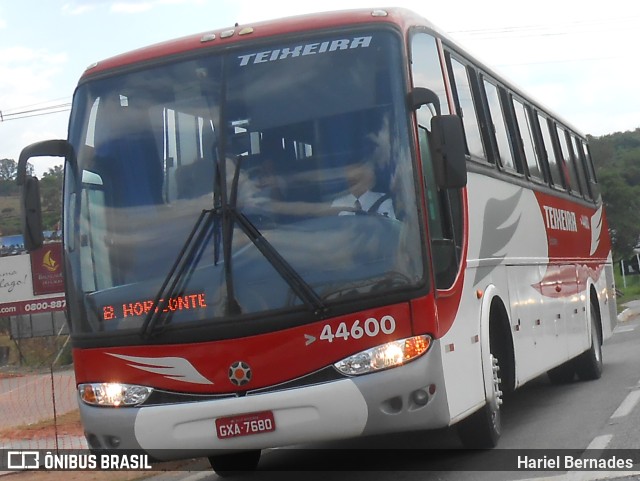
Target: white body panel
x=508 y=253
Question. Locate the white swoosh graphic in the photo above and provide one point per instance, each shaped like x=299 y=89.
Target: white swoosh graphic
x=176 y=368
x=596 y=229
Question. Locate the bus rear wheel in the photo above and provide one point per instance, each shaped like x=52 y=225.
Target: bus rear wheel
x=226 y=465
x=562 y=374
x=589 y=364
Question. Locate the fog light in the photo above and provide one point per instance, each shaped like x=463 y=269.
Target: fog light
x=113 y=394
x=385 y=356
x=420 y=397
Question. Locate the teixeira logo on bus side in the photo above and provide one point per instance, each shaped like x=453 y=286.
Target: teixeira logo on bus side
x=563 y=221
x=560 y=219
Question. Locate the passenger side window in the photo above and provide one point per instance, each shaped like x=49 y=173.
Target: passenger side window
x=499 y=127
x=567 y=161
x=552 y=161
x=526 y=136
x=580 y=165
x=590 y=169
x=467 y=109
x=426 y=68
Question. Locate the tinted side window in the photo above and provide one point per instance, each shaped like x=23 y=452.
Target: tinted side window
x=554 y=166
x=467 y=109
x=590 y=169
x=498 y=126
x=526 y=136
x=578 y=157
x=567 y=161
x=426 y=68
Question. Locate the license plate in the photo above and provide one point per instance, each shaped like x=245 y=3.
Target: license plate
x=245 y=424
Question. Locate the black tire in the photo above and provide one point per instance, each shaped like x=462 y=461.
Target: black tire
x=226 y=465
x=588 y=365
x=482 y=429
x=563 y=374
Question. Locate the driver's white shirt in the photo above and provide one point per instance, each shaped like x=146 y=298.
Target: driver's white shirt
x=366 y=201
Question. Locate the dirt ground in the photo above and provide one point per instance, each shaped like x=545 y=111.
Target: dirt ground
x=69 y=424
x=78 y=475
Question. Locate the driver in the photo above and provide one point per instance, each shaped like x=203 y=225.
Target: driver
x=361 y=199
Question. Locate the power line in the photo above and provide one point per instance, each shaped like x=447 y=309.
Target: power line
x=583 y=26
x=37 y=104
x=522 y=31
x=27 y=112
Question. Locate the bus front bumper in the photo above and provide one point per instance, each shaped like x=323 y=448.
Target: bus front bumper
x=409 y=397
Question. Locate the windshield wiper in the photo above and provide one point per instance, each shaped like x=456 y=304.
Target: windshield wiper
x=181 y=270
x=208 y=223
x=298 y=285
x=190 y=253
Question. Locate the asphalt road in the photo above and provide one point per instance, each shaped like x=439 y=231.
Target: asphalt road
x=597 y=416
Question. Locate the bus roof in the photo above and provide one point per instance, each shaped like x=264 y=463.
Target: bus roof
x=401 y=17
x=245 y=32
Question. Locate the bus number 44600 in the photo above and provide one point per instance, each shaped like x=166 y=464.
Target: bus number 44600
x=371 y=328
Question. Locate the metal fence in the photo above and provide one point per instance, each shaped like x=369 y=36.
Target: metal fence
x=38 y=401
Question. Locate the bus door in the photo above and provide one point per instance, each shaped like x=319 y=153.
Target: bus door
x=445 y=217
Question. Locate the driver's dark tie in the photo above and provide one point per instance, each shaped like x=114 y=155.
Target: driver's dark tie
x=358 y=207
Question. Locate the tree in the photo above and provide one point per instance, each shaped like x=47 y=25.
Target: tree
x=623 y=212
x=8 y=169
x=9 y=215
x=51 y=195
x=617 y=160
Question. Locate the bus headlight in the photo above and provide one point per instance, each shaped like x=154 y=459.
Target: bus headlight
x=113 y=394
x=385 y=356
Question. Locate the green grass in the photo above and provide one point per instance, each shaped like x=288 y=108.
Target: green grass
x=10 y=215
x=631 y=291
x=37 y=352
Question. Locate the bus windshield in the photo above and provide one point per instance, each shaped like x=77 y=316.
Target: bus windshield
x=302 y=147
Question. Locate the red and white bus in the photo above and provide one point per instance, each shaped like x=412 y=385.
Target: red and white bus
x=319 y=228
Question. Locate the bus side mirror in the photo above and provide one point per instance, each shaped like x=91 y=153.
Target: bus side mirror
x=30 y=196
x=420 y=96
x=448 y=151
x=31 y=214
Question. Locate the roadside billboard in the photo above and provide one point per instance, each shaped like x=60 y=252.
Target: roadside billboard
x=32 y=283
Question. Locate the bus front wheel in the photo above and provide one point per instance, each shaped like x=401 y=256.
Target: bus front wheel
x=482 y=429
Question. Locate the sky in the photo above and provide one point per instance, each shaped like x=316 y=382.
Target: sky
x=578 y=58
